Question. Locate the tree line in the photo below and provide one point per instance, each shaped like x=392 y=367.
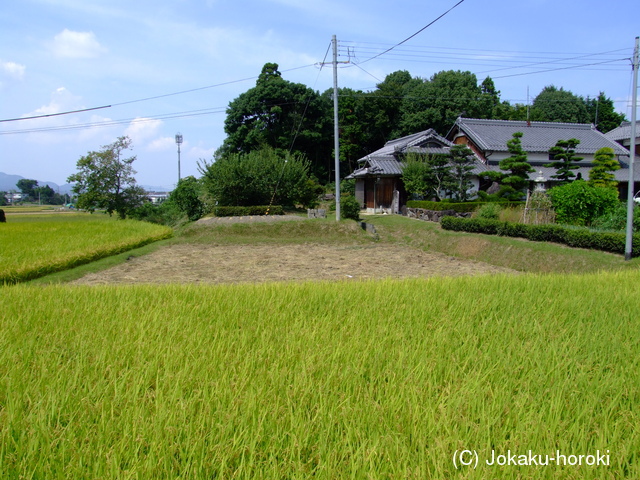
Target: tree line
x=32 y=192
x=290 y=117
x=279 y=143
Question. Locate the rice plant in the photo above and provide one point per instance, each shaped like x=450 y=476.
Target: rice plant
x=380 y=379
x=34 y=245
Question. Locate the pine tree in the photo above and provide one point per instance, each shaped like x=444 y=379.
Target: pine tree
x=604 y=163
x=564 y=160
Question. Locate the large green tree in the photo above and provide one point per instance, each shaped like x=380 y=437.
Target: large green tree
x=355 y=122
x=437 y=103
x=558 y=105
x=106 y=181
x=282 y=115
x=386 y=104
x=28 y=187
x=602 y=113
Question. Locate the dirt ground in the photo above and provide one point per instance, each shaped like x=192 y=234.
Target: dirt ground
x=187 y=263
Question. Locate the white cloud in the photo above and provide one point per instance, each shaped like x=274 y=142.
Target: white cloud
x=61 y=100
x=204 y=153
x=162 y=144
x=12 y=70
x=70 y=44
x=141 y=129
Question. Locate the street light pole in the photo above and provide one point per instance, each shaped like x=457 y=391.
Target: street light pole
x=178 y=142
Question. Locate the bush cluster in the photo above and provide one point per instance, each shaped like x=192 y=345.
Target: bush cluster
x=574 y=237
x=349 y=207
x=578 y=203
x=465 y=207
x=166 y=213
x=489 y=210
x=617 y=219
x=260 y=177
x=222 y=211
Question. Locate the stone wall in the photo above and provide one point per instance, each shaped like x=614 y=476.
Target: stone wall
x=434 y=215
x=316 y=213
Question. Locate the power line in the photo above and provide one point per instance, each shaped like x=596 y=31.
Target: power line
x=304 y=112
x=205 y=88
x=147 y=98
x=419 y=31
x=492 y=58
x=53 y=114
x=109 y=123
x=556 y=69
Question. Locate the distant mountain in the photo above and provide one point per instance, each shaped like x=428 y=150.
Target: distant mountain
x=8 y=182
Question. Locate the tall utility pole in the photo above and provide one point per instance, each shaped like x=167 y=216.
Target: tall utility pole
x=336 y=130
x=632 y=157
x=178 y=142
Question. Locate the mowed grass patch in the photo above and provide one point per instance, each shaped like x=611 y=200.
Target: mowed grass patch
x=320 y=380
x=34 y=245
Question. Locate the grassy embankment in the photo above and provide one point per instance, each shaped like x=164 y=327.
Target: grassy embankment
x=515 y=253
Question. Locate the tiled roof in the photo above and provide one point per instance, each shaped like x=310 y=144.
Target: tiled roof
x=390 y=166
x=387 y=160
x=623 y=132
x=383 y=165
x=538 y=137
x=411 y=143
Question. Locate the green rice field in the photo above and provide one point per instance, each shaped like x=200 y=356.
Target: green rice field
x=387 y=379
x=35 y=244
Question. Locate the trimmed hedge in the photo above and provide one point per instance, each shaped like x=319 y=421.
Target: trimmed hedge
x=458 y=207
x=248 y=211
x=573 y=237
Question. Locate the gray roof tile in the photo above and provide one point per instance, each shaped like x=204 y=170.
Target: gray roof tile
x=623 y=132
x=538 y=137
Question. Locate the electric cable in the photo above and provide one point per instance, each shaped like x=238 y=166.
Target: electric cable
x=419 y=31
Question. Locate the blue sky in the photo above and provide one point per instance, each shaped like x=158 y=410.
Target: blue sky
x=64 y=55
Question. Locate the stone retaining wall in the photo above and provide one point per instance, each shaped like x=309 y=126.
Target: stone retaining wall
x=434 y=215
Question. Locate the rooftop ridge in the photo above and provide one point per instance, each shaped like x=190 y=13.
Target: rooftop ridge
x=487 y=121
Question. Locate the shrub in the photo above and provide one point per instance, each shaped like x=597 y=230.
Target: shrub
x=490 y=211
x=223 y=211
x=578 y=203
x=349 y=207
x=464 y=207
x=617 y=219
x=166 y=213
x=574 y=237
x=186 y=198
x=258 y=178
